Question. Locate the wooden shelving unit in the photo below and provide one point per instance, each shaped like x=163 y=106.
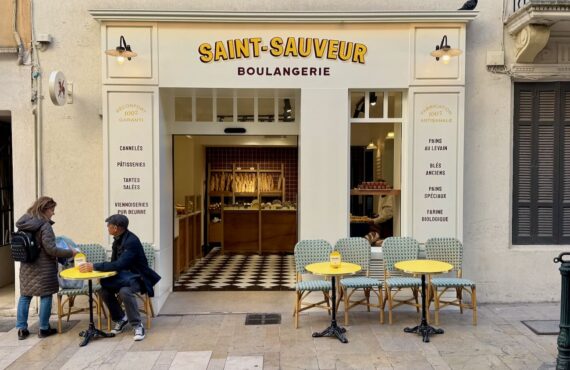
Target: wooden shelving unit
x=375 y=192
x=246 y=230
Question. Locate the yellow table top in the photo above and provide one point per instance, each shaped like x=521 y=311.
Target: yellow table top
x=325 y=268
x=74 y=274
x=423 y=266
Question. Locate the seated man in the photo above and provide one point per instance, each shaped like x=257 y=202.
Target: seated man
x=381 y=227
x=133 y=276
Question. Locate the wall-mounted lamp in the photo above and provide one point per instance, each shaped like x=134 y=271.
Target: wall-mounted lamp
x=122 y=51
x=444 y=51
x=371 y=145
x=390 y=135
x=373 y=99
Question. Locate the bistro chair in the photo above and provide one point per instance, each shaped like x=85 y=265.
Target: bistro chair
x=396 y=249
x=94 y=253
x=450 y=250
x=357 y=250
x=307 y=252
x=147 y=308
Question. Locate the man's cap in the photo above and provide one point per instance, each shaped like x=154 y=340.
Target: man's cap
x=118 y=220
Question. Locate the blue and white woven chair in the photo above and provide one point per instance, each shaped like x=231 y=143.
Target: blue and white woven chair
x=147 y=308
x=357 y=250
x=94 y=253
x=307 y=252
x=450 y=250
x=396 y=249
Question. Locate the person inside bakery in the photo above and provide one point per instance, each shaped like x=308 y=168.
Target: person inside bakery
x=381 y=226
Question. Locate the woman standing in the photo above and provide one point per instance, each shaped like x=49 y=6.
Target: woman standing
x=39 y=278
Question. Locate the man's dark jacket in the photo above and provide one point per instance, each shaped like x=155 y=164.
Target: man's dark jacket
x=129 y=260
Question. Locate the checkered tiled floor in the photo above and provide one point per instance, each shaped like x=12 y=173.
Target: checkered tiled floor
x=239 y=272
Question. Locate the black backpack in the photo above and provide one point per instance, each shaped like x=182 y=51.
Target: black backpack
x=24 y=247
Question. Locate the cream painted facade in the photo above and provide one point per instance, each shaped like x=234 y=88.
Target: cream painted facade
x=75 y=139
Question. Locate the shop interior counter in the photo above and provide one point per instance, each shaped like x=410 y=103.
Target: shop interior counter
x=250 y=230
x=188 y=241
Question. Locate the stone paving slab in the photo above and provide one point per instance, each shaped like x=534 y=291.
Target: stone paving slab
x=222 y=341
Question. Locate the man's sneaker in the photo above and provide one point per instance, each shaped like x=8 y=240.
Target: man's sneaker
x=120 y=325
x=139 y=332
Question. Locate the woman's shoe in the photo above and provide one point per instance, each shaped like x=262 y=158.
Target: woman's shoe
x=23 y=334
x=46 y=333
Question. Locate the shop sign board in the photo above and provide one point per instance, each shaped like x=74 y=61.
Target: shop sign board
x=283 y=56
x=130 y=160
x=435 y=171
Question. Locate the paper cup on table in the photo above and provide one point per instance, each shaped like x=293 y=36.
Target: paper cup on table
x=79 y=259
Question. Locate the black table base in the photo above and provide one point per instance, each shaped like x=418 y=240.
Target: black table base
x=424 y=329
x=92 y=331
x=333 y=330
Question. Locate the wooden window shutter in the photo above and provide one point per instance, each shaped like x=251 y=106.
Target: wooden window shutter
x=564 y=167
x=536 y=170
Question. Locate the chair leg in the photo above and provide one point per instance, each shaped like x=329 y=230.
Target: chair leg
x=381 y=305
x=340 y=298
x=328 y=299
x=460 y=299
x=151 y=307
x=474 y=304
x=436 y=305
x=98 y=302
x=367 y=295
x=297 y=309
x=416 y=294
x=148 y=311
x=345 y=293
x=389 y=294
x=70 y=302
x=59 y=313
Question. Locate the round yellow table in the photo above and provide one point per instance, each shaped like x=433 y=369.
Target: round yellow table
x=74 y=274
x=325 y=269
x=424 y=267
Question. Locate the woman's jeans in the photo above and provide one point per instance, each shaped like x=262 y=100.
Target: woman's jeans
x=24 y=308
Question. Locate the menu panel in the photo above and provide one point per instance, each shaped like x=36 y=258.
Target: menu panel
x=435 y=165
x=130 y=160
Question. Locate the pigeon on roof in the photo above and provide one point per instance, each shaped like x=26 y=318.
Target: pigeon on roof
x=469 y=5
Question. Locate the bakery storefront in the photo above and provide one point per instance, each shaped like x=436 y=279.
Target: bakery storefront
x=249 y=132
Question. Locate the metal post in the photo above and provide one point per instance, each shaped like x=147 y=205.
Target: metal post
x=563 y=358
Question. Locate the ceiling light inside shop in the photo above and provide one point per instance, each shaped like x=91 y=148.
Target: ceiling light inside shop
x=371 y=145
x=373 y=98
x=288 y=105
x=390 y=135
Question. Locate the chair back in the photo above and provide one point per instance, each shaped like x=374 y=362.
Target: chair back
x=149 y=254
x=448 y=250
x=396 y=249
x=94 y=253
x=355 y=250
x=311 y=251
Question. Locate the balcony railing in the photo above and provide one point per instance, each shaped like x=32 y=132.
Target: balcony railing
x=517 y=4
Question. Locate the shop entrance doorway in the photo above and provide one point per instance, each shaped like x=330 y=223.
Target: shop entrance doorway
x=7 y=295
x=235 y=188
x=236 y=205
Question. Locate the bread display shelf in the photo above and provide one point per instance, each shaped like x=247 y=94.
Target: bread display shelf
x=375 y=192
x=245 y=228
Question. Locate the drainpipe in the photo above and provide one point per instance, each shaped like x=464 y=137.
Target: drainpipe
x=19 y=45
x=37 y=103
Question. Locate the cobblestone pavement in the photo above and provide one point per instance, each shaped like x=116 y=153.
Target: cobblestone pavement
x=189 y=340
